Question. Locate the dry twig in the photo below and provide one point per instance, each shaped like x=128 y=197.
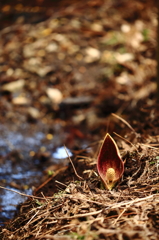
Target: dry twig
x=124 y=121
x=72 y=164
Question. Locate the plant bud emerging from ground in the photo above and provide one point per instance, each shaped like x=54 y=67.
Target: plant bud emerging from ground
x=110 y=165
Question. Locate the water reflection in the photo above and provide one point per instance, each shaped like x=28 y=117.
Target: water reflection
x=9 y=202
x=23 y=171
x=16 y=174
x=61 y=153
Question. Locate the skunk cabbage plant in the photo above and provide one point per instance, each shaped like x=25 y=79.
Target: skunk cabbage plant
x=110 y=165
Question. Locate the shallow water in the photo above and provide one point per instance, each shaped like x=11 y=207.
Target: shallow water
x=20 y=169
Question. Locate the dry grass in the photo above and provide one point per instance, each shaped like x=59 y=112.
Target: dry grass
x=82 y=210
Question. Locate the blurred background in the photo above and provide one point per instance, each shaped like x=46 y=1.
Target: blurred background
x=65 y=66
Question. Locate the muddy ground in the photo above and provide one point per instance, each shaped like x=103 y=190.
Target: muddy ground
x=74 y=71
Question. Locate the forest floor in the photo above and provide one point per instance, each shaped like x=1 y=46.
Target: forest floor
x=81 y=70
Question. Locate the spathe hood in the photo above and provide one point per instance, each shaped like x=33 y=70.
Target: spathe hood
x=110 y=165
